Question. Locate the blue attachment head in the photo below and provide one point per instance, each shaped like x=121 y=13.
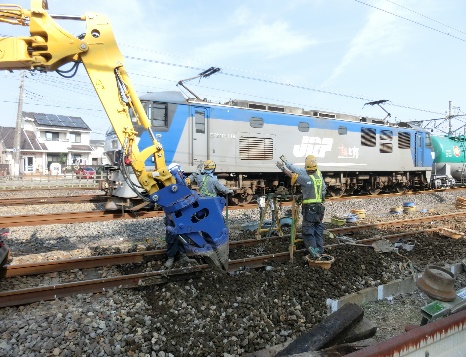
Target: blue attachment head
x=198 y=221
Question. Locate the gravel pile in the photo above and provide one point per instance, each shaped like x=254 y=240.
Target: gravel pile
x=216 y=315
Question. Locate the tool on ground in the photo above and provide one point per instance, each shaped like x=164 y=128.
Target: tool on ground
x=269 y=202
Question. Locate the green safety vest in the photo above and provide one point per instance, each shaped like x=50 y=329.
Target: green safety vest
x=204 y=191
x=317 y=184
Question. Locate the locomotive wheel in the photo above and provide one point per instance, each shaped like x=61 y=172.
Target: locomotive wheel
x=399 y=188
x=335 y=192
x=240 y=199
x=373 y=191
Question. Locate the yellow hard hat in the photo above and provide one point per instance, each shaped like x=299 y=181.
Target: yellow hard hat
x=209 y=165
x=310 y=164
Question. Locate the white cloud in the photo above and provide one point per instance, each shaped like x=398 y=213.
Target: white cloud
x=269 y=40
x=383 y=34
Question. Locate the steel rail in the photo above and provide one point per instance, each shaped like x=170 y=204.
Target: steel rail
x=51 y=292
x=26 y=296
x=52 y=200
x=73 y=217
x=95 y=216
x=137 y=257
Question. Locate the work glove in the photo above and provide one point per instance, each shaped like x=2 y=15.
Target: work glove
x=230 y=192
x=280 y=165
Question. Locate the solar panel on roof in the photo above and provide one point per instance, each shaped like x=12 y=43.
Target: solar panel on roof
x=66 y=121
x=60 y=120
x=41 y=119
x=80 y=123
x=55 y=120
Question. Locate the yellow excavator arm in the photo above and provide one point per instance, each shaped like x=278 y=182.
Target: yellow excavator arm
x=196 y=221
x=49 y=47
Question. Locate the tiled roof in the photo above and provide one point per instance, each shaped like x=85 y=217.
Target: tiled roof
x=28 y=139
x=80 y=148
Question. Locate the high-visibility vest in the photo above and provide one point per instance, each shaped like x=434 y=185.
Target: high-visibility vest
x=204 y=191
x=317 y=181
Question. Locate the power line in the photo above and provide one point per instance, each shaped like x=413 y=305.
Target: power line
x=429 y=18
x=414 y=22
x=274 y=82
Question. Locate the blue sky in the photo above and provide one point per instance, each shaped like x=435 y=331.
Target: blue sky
x=329 y=55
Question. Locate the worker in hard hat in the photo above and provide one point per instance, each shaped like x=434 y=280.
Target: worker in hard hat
x=208 y=184
x=313 y=190
x=175 y=245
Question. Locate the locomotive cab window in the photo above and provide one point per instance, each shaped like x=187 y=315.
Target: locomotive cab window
x=303 y=126
x=157 y=114
x=256 y=122
x=404 y=140
x=342 y=130
x=368 y=137
x=428 y=140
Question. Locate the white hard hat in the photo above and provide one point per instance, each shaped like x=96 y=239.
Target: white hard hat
x=174 y=165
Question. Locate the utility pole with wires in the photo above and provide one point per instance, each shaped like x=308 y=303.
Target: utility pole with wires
x=450 y=116
x=18 y=129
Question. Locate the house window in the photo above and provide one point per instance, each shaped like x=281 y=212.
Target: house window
x=77 y=159
x=51 y=136
x=75 y=137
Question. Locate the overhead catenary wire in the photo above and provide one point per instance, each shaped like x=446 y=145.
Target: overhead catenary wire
x=415 y=22
x=427 y=17
x=276 y=83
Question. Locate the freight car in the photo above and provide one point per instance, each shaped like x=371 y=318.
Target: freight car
x=245 y=139
x=449 y=167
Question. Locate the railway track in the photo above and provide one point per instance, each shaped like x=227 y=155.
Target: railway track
x=103 y=198
x=52 y=200
x=25 y=296
x=73 y=217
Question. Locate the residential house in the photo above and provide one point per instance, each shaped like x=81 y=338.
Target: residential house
x=45 y=139
x=98 y=156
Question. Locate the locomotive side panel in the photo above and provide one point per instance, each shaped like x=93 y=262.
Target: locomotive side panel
x=246 y=143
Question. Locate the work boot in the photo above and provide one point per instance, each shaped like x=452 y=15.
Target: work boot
x=185 y=259
x=314 y=252
x=169 y=263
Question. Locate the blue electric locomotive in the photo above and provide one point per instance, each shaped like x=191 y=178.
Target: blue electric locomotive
x=245 y=139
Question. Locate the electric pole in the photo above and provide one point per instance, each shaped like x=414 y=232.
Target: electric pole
x=18 y=129
x=450 y=115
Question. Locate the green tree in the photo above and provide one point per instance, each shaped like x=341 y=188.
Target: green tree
x=62 y=158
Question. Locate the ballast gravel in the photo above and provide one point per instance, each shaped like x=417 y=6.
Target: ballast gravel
x=215 y=315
